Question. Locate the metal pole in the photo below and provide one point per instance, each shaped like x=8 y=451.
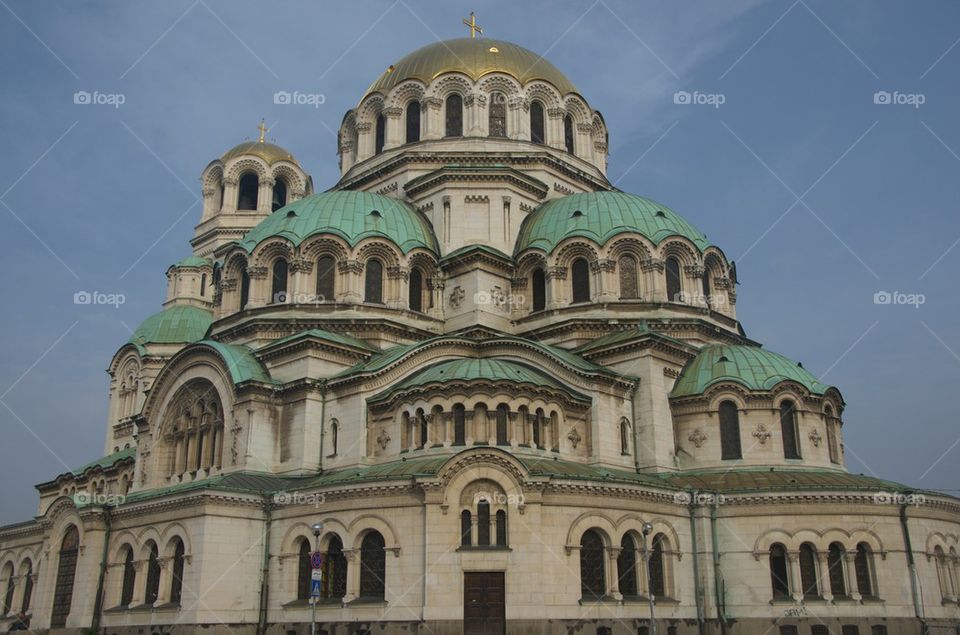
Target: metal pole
x=647 y=528
x=317 y=529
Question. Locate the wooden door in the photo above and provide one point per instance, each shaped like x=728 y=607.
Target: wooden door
x=484 y=603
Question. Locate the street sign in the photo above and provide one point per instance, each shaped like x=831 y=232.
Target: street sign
x=316 y=574
x=316 y=560
x=315 y=588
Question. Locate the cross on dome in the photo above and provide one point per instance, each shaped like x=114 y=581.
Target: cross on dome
x=472 y=25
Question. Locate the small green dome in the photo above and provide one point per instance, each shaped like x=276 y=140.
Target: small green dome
x=753 y=367
x=193 y=261
x=351 y=215
x=174 y=325
x=600 y=216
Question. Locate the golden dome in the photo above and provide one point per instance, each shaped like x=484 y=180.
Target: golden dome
x=264 y=149
x=474 y=58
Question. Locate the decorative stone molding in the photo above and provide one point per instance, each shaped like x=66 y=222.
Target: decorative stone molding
x=476 y=198
x=652 y=264
x=566 y=191
x=697 y=437
x=388 y=189
x=257 y=272
x=518 y=283
x=398 y=273
x=350 y=266
x=301 y=265
x=603 y=265
x=574 y=437
x=383 y=439
x=762 y=434
x=815 y=438
x=693 y=271
x=556 y=273
x=670 y=372
x=456 y=296
x=392 y=111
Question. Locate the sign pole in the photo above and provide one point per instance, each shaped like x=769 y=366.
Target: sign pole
x=316 y=562
x=313 y=600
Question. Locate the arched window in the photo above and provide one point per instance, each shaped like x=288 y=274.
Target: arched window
x=278 y=289
x=862 y=565
x=627 y=566
x=729 y=431
x=153 y=575
x=779 y=578
x=942 y=573
x=415 y=285
x=8 y=596
x=498 y=115
x=424 y=428
x=832 y=446
x=279 y=195
x=373 y=566
x=788 y=428
x=129 y=578
x=580 y=273
x=459 y=425
x=380 y=134
x=334 y=584
x=672 y=269
x=326 y=275
x=466 y=527
x=203 y=284
x=334 y=436
x=627 y=266
x=808 y=570
x=373 y=284
x=413 y=121
x=501 y=528
x=27 y=588
x=503 y=418
x=66 y=572
x=624 y=437
x=176 y=580
x=538 y=429
x=835 y=569
x=244 y=288
x=304 y=569
x=454 y=116
x=658 y=585
x=705 y=286
x=539 y=283
x=568 y=133
x=592 y=571
x=483 y=523
x=247 y=191
x=536 y=122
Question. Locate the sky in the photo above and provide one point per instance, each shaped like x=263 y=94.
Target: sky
x=815 y=142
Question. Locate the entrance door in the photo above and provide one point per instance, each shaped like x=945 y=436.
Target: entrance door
x=484 y=606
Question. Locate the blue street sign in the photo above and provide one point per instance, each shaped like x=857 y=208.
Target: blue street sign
x=315 y=588
x=316 y=560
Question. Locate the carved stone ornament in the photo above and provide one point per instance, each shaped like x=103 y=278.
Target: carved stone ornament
x=697 y=437
x=457 y=296
x=574 y=438
x=815 y=438
x=762 y=434
x=383 y=439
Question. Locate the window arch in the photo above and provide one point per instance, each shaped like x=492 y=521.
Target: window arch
x=278 y=287
x=808 y=570
x=788 y=429
x=658 y=582
x=501 y=525
x=672 y=272
x=832 y=446
x=326 y=279
x=380 y=134
x=413 y=121
x=373 y=283
x=624 y=437
x=466 y=528
x=192 y=430
x=729 y=431
x=536 y=122
x=580 y=274
x=943 y=573
x=453 y=116
x=176 y=580
x=152 y=591
x=244 y=288
x=459 y=425
x=66 y=572
x=247 y=191
x=483 y=523
x=8 y=596
x=539 y=284
x=304 y=569
x=627 y=566
x=629 y=287
x=497 y=115
x=203 y=284
x=27 y=588
x=592 y=570
x=568 y=134
x=334 y=584
x=538 y=429
x=373 y=566
x=334 y=436
x=779 y=578
x=424 y=428
x=503 y=419
x=835 y=556
x=279 y=195
x=415 y=288
x=129 y=577
x=863 y=570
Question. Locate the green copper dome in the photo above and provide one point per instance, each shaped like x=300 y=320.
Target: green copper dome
x=751 y=366
x=193 y=261
x=351 y=215
x=600 y=216
x=174 y=325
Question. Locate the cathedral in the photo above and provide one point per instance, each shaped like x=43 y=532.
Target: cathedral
x=471 y=387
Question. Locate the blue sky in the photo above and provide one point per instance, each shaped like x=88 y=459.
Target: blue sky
x=822 y=196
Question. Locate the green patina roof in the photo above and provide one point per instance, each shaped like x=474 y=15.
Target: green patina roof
x=751 y=366
x=173 y=325
x=193 y=261
x=241 y=362
x=350 y=215
x=477 y=369
x=603 y=216
x=339 y=338
x=107 y=461
x=469 y=248
x=633 y=332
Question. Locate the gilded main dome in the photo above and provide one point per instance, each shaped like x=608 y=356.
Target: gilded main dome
x=474 y=58
x=269 y=152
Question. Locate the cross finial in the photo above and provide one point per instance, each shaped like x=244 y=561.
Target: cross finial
x=263 y=130
x=472 y=24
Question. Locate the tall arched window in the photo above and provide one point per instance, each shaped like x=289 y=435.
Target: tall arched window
x=483 y=523
x=580 y=274
x=334 y=584
x=153 y=575
x=66 y=572
x=203 y=284
x=304 y=568
x=176 y=580
x=503 y=418
x=627 y=566
x=466 y=528
x=788 y=429
x=705 y=287
x=808 y=570
x=278 y=288
x=779 y=578
x=835 y=569
x=424 y=428
x=373 y=566
x=454 y=116
x=279 y=195
x=498 y=115
x=27 y=588
x=862 y=565
x=247 y=191
x=624 y=437
x=334 y=436
x=536 y=122
x=538 y=429
x=326 y=275
x=539 y=284
x=658 y=583
x=627 y=266
x=413 y=121
x=592 y=571
x=380 y=134
x=373 y=283
x=501 y=528
x=943 y=574
x=415 y=287
x=129 y=578
x=672 y=270
x=729 y=431
x=459 y=425
x=244 y=288
x=568 y=133
x=8 y=596
x=832 y=446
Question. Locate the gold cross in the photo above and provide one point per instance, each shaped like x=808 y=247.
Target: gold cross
x=472 y=24
x=263 y=130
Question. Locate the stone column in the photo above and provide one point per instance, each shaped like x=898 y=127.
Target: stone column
x=824 y=589
x=394 y=134
x=604 y=288
x=350 y=272
x=431 y=125
x=613 y=578
x=849 y=575
x=365 y=141
x=554 y=128
x=793 y=561
x=229 y=204
x=302 y=289
x=265 y=195
x=259 y=286
x=397 y=287
x=655 y=287
x=556 y=279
